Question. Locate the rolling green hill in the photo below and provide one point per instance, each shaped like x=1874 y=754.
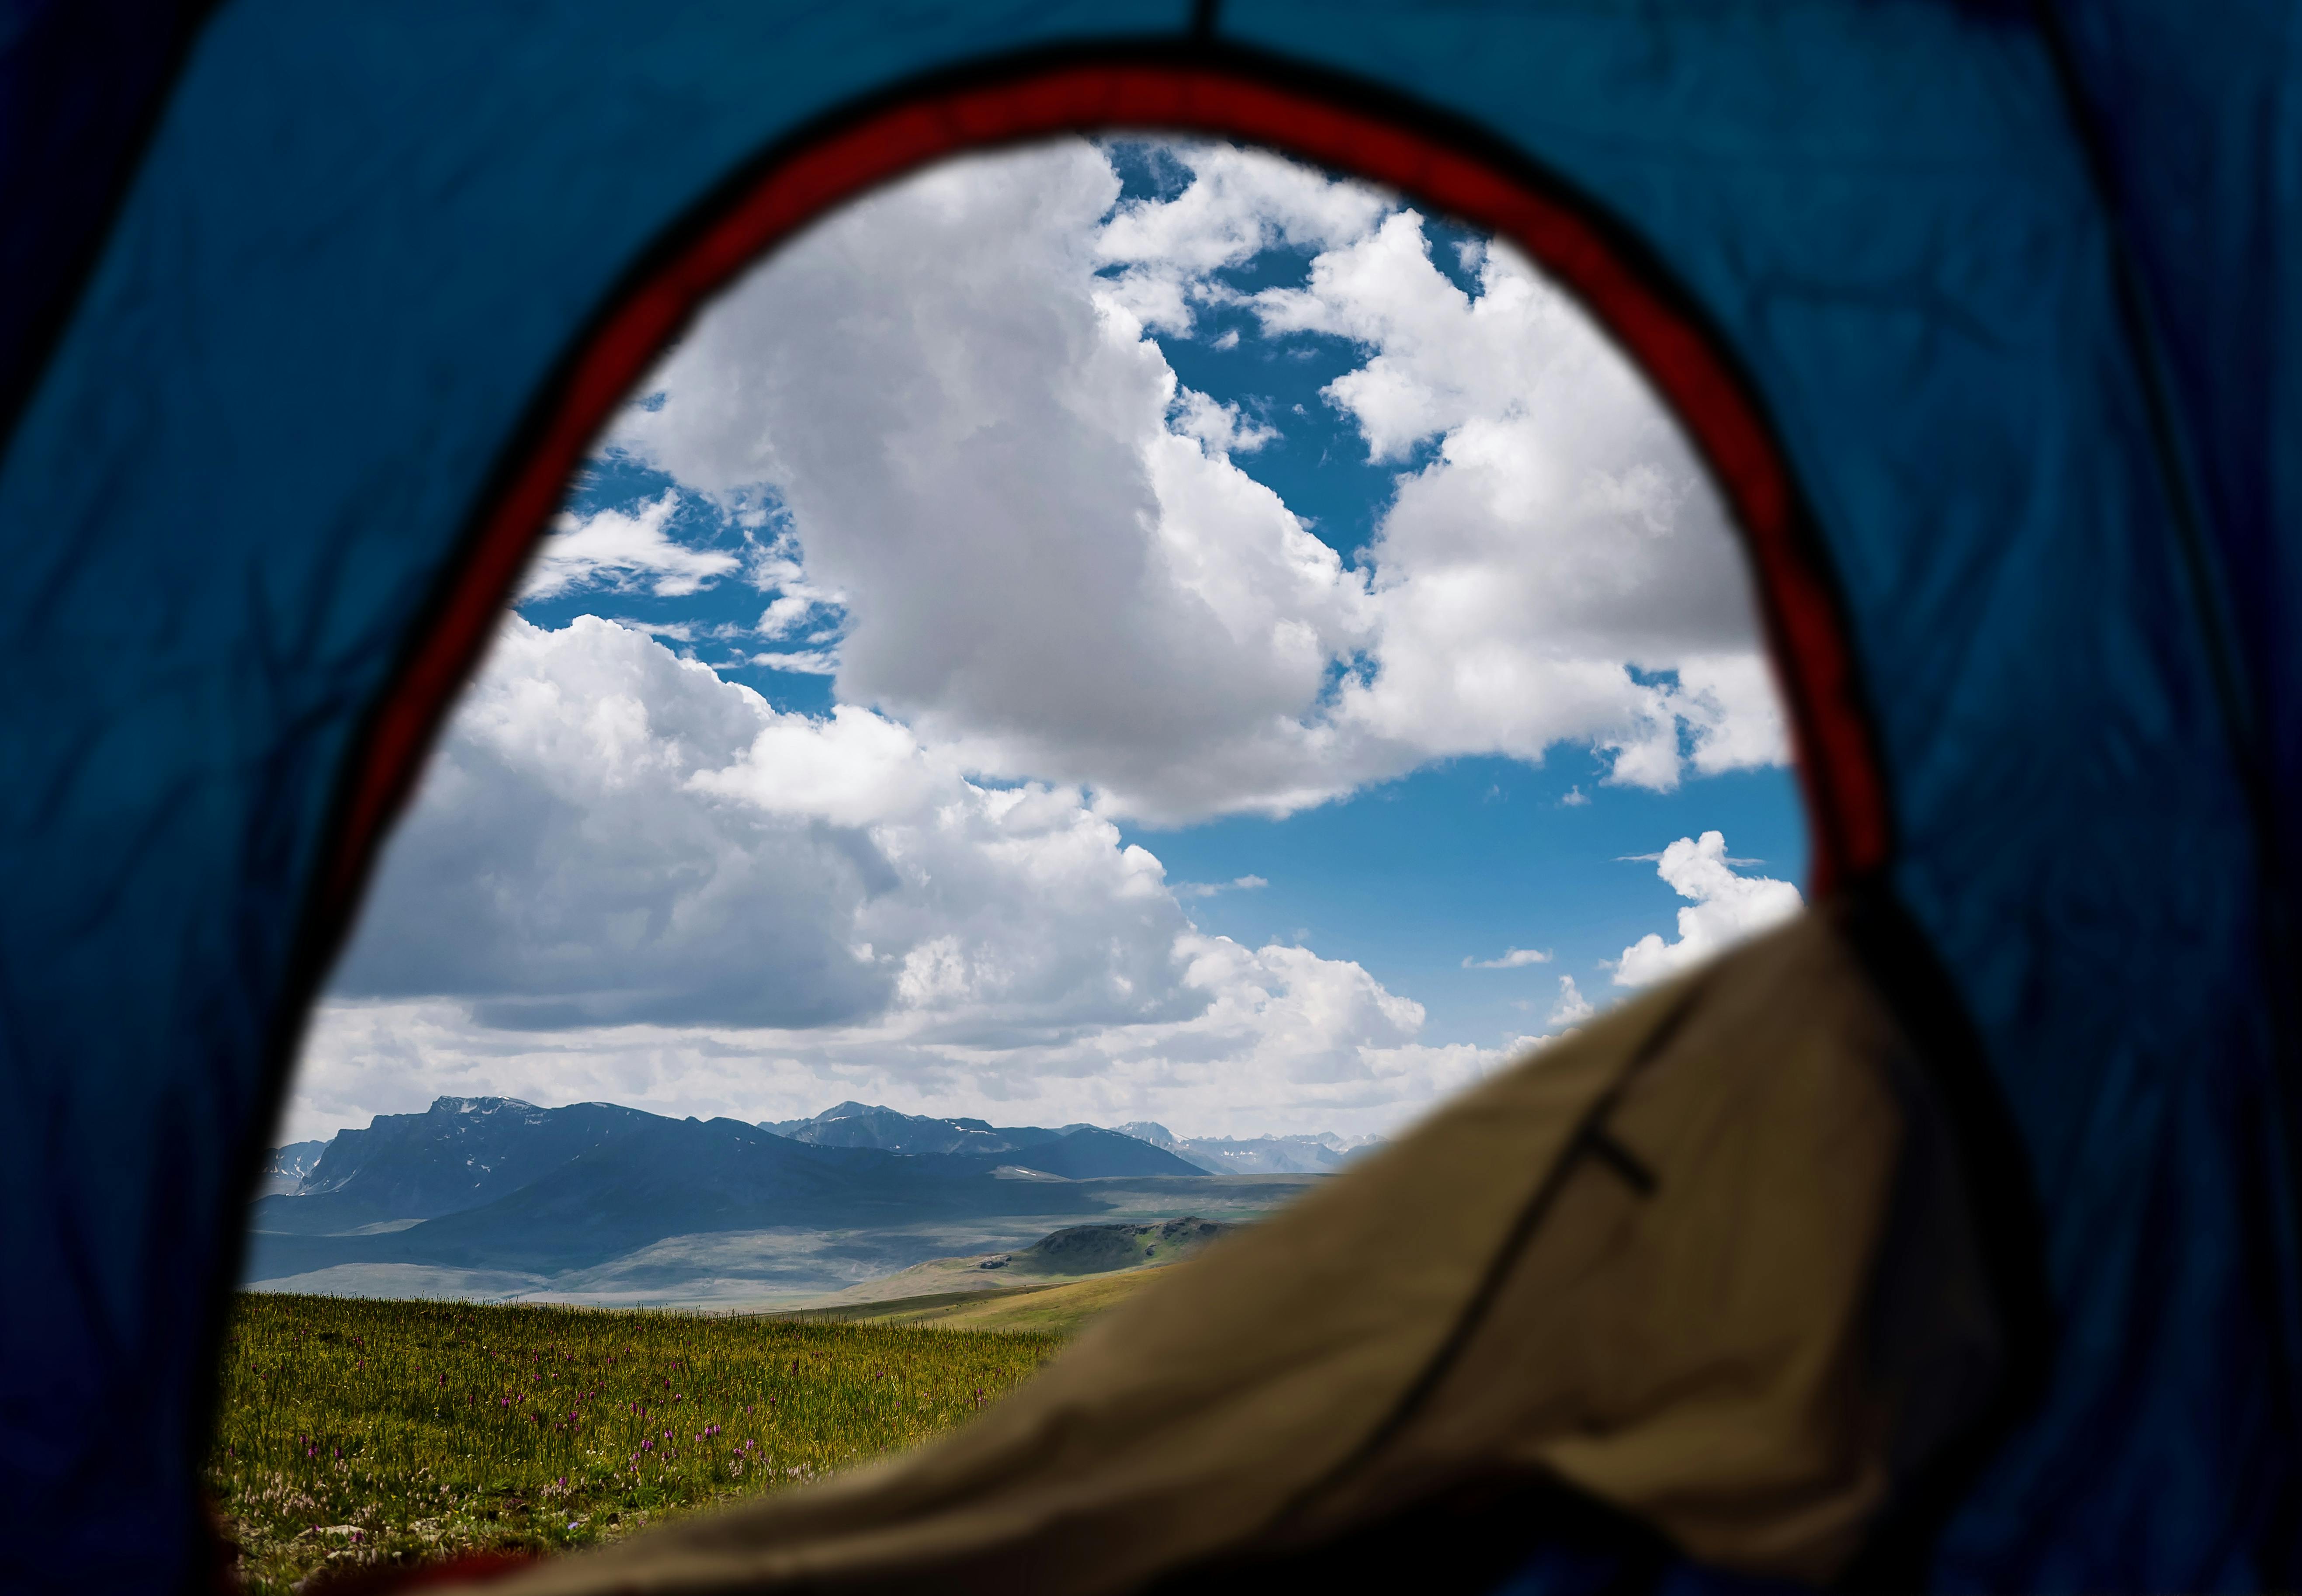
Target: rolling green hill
x=1053 y=1285
x=1064 y=1255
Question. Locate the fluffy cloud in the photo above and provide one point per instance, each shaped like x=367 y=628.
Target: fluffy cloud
x=1572 y=1008
x=1561 y=555
x=1287 y=1041
x=1051 y=564
x=1236 y=205
x=1727 y=909
x=972 y=442
x=713 y=906
x=610 y=833
x=1220 y=428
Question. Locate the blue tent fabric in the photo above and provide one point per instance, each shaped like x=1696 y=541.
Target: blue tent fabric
x=2016 y=288
x=80 y=82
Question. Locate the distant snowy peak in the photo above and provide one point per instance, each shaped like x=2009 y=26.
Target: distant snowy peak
x=483 y=1106
x=1150 y=1130
x=1257 y=1155
x=864 y=1125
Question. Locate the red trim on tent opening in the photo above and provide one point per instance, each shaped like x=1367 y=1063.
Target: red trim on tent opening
x=1846 y=797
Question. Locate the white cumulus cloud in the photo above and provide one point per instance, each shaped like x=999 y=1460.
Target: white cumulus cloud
x=1561 y=557
x=1572 y=1008
x=1727 y=908
x=1049 y=558
x=1237 y=204
x=627 y=877
x=608 y=832
x=972 y=441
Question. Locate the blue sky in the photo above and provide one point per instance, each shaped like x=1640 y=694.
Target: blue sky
x=1046 y=517
x=1473 y=856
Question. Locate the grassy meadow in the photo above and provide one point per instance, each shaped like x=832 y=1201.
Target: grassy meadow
x=353 y=1434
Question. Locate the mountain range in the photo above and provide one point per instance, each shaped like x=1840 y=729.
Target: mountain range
x=490 y=1195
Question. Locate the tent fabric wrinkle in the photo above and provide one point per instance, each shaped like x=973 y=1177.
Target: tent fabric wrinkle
x=1986 y=320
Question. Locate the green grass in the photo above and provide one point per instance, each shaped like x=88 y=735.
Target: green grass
x=353 y=1434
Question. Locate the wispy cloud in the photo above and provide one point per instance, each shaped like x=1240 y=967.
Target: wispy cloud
x=1514 y=958
x=625 y=550
x=1207 y=889
x=812 y=662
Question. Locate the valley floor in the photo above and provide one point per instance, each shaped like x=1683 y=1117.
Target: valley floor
x=764 y=1270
